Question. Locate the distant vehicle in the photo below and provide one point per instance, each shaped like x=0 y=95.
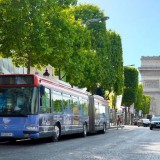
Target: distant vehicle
x=135 y=121
x=143 y=122
x=155 y=122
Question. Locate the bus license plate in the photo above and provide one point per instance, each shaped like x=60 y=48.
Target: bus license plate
x=6 y=134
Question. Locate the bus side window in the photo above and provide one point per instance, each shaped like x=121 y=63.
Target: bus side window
x=75 y=105
x=66 y=103
x=57 y=102
x=45 y=102
x=84 y=104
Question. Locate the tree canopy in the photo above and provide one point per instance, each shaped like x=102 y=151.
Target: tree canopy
x=37 y=33
x=142 y=101
x=130 y=86
x=32 y=32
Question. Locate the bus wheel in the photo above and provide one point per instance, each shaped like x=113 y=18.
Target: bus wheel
x=104 y=128
x=84 y=133
x=56 y=135
x=12 y=140
x=57 y=132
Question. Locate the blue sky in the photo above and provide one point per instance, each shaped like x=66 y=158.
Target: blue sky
x=138 y=24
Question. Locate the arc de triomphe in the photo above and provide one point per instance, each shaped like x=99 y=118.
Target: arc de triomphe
x=150 y=76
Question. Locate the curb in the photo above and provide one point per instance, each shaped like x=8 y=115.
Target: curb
x=115 y=127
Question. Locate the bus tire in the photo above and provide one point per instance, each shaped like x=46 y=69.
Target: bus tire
x=12 y=140
x=84 y=133
x=104 y=128
x=57 y=134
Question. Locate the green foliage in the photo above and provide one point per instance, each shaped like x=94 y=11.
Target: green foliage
x=138 y=103
x=101 y=69
x=57 y=106
x=145 y=104
x=34 y=32
x=116 y=72
x=142 y=101
x=66 y=3
x=130 y=86
x=147 y=107
x=22 y=29
x=56 y=32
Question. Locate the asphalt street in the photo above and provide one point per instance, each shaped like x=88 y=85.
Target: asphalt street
x=131 y=142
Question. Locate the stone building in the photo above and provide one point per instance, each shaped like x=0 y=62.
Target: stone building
x=7 y=67
x=150 y=76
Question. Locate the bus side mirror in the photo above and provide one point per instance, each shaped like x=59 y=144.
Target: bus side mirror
x=42 y=90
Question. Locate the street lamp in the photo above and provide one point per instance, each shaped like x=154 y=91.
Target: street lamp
x=131 y=65
x=102 y=19
x=46 y=74
x=98 y=19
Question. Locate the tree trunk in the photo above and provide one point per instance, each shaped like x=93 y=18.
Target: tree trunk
x=28 y=65
x=59 y=73
x=125 y=115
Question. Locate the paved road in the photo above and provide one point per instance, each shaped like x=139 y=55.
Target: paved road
x=130 y=143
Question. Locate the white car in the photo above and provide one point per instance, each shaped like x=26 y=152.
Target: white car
x=143 y=122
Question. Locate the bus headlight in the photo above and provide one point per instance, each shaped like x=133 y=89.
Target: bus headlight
x=32 y=128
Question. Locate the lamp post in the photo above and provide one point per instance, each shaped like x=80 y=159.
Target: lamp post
x=98 y=19
x=102 y=19
x=46 y=74
x=131 y=65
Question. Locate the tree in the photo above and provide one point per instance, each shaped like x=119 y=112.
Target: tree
x=138 y=103
x=145 y=104
x=95 y=68
x=73 y=67
x=115 y=77
x=31 y=31
x=142 y=101
x=37 y=33
x=148 y=102
x=130 y=87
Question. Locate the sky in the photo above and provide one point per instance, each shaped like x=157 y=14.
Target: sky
x=138 y=24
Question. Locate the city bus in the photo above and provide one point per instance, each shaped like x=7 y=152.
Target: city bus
x=33 y=107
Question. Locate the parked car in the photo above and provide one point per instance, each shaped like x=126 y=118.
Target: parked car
x=155 y=122
x=143 y=122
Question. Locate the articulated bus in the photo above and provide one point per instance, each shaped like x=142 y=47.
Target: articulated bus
x=33 y=107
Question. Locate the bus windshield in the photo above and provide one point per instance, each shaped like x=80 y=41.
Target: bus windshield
x=18 y=101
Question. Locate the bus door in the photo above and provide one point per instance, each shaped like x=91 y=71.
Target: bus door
x=67 y=113
x=102 y=115
x=75 y=114
x=84 y=111
x=46 y=120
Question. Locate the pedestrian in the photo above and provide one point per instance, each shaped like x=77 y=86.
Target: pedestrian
x=119 y=122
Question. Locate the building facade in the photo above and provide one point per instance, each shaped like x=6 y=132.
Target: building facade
x=7 y=67
x=150 y=76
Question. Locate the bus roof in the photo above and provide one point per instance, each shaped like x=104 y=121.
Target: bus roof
x=12 y=80
x=64 y=86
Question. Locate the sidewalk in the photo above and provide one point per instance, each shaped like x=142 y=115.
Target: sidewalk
x=115 y=126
